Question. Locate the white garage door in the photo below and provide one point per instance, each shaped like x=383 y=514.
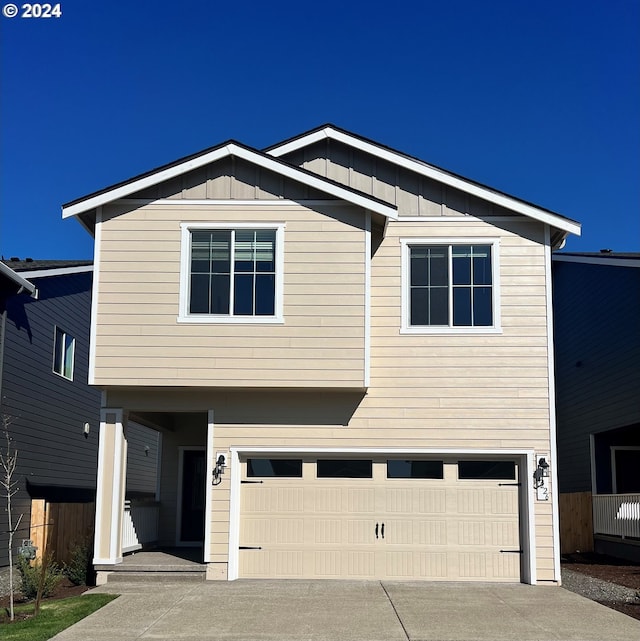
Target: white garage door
x=380 y=518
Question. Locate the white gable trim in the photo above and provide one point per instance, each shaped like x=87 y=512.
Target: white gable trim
x=596 y=260
x=316 y=182
x=430 y=172
x=58 y=271
x=22 y=282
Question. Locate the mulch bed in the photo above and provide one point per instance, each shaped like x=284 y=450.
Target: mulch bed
x=609 y=569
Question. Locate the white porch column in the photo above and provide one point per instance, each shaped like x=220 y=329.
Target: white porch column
x=112 y=469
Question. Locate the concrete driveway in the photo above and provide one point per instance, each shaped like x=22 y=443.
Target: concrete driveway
x=269 y=610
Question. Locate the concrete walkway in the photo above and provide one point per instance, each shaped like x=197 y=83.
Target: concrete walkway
x=270 y=610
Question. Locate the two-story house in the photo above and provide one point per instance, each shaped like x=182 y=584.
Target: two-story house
x=348 y=352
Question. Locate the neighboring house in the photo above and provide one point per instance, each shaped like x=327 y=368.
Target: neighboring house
x=348 y=353
x=53 y=414
x=44 y=362
x=597 y=336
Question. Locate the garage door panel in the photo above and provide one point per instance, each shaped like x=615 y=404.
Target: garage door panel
x=504 y=534
x=434 y=529
x=432 y=501
x=466 y=501
x=278 y=531
x=416 y=565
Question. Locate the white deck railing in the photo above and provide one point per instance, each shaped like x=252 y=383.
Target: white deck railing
x=617 y=515
x=139 y=525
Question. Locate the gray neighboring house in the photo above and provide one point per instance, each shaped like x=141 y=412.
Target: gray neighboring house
x=45 y=330
x=44 y=356
x=597 y=350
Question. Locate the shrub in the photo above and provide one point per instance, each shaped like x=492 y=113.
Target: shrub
x=78 y=568
x=49 y=576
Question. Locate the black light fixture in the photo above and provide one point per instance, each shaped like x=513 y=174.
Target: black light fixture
x=541 y=471
x=218 y=470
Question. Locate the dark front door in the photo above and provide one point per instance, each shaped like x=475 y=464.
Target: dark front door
x=193 y=491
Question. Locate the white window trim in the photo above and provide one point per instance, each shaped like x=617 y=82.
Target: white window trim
x=185 y=271
x=407 y=328
x=73 y=353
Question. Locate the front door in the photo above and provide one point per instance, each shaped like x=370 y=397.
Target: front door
x=192 y=495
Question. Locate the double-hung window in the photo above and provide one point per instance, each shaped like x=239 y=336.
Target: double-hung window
x=64 y=347
x=450 y=286
x=231 y=273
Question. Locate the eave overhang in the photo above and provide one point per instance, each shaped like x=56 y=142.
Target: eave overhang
x=19 y=284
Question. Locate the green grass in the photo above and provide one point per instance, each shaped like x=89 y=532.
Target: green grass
x=54 y=617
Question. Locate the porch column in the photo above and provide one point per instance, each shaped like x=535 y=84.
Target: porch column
x=112 y=468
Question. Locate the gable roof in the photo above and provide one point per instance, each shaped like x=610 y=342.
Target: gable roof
x=229 y=148
x=422 y=168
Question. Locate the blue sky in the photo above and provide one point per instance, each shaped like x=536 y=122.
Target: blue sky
x=538 y=99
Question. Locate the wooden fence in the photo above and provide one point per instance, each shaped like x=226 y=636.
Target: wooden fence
x=61 y=526
x=576 y=522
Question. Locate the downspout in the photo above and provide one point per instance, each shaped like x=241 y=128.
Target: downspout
x=3 y=324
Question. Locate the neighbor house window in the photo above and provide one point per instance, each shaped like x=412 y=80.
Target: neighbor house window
x=64 y=347
x=231 y=273
x=449 y=286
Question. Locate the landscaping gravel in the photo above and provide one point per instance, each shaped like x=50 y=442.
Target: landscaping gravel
x=597 y=589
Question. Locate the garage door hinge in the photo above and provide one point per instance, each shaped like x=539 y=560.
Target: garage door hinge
x=512 y=551
x=249 y=547
x=501 y=484
x=251 y=481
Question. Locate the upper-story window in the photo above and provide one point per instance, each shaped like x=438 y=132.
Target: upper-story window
x=449 y=286
x=64 y=347
x=231 y=273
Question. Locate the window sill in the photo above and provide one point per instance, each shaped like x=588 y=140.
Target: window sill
x=232 y=320
x=450 y=330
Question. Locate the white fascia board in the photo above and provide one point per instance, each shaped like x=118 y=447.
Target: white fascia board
x=293 y=173
x=596 y=260
x=433 y=173
x=62 y=271
x=318 y=183
x=17 y=279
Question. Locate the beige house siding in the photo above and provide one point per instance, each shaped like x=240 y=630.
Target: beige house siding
x=321 y=343
x=446 y=391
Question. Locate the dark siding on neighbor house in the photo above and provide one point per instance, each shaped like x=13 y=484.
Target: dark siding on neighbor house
x=597 y=350
x=55 y=460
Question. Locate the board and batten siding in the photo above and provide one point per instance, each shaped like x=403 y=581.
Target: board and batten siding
x=414 y=195
x=321 y=343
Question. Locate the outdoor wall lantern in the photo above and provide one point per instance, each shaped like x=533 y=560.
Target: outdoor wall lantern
x=218 y=470
x=541 y=472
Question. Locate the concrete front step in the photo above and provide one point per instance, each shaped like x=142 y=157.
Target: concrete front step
x=156 y=576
